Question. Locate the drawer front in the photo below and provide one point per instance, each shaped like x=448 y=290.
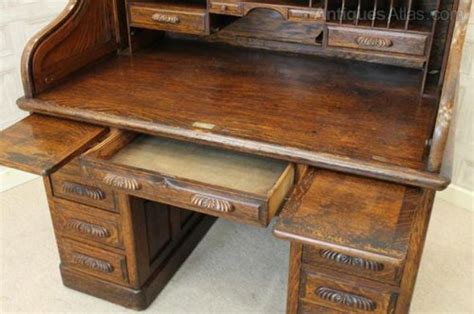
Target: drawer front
x=345 y=296
x=192 y=22
x=85 y=223
x=190 y=196
x=93 y=261
x=311 y=308
x=83 y=191
x=226 y=8
x=350 y=263
x=376 y=40
x=306 y=15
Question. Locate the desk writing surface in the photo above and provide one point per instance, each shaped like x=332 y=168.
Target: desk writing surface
x=358 y=110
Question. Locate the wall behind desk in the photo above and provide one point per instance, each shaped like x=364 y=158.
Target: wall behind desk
x=21 y=19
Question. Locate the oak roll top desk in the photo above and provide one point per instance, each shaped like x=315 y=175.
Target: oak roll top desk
x=150 y=118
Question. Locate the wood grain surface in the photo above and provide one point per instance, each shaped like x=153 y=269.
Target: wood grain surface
x=41 y=144
x=351 y=116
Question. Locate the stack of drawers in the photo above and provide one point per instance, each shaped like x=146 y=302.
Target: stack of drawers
x=116 y=246
x=88 y=226
x=323 y=285
x=126 y=215
x=350 y=243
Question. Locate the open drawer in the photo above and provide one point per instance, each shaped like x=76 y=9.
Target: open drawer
x=351 y=224
x=233 y=185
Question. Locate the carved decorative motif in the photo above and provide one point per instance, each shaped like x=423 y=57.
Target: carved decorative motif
x=373 y=42
x=346 y=299
x=93 y=263
x=351 y=260
x=212 y=203
x=122 y=182
x=88 y=228
x=162 y=18
x=83 y=190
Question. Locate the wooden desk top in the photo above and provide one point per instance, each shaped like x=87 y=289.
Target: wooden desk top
x=357 y=117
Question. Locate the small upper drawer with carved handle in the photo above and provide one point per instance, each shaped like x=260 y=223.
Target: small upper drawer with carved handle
x=93 y=261
x=313 y=14
x=346 y=295
x=189 y=19
x=379 y=40
x=233 y=185
x=225 y=7
x=78 y=189
x=349 y=261
x=86 y=224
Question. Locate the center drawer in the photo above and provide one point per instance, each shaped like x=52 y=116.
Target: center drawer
x=233 y=185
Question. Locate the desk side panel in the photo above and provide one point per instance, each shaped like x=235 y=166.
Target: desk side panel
x=85 y=32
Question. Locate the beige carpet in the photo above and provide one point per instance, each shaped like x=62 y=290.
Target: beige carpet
x=223 y=275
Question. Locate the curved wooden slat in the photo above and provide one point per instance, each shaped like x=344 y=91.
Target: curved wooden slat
x=448 y=96
x=83 y=33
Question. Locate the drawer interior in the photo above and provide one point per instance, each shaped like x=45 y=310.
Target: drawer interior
x=229 y=170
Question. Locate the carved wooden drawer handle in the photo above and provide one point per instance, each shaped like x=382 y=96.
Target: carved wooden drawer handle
x=347 y=299
x=88 y=228
x=83 y=190
x=212 y=203
x=351 y=260
x=122 y=182
x=93 y=263
x=373 y=42
x=163 y=18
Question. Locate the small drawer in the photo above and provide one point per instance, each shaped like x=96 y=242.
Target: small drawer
x=345 y=296
x=306 y=14
x=227 y=184
x=171 y=18
x=78 y=189
x=226 y=8
x=87 y=224
x=368 y=266
x=378 y=40
x=93 y=261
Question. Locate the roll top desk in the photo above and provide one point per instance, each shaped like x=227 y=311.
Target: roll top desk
x=150 y=118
